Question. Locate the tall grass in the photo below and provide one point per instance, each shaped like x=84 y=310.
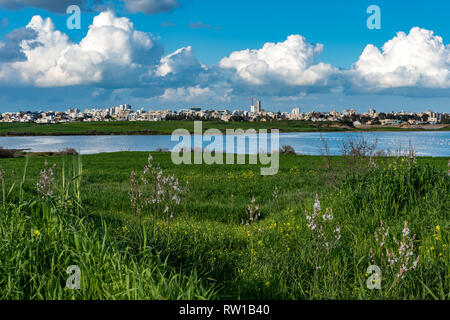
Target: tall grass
x=204 y=251
x=42 y=236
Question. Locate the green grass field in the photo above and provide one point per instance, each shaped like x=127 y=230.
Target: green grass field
x=167 y=127
x=205 y=251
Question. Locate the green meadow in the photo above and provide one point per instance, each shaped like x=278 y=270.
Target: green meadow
x=151 y=127
x=230 y=233
x=167 y=127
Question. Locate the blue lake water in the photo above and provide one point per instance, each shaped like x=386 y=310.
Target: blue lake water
x=435 y=144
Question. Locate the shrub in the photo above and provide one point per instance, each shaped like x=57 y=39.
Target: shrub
x=10 y=153
x=287 y=149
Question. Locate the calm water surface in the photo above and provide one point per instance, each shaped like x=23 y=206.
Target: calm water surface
x=435 y=144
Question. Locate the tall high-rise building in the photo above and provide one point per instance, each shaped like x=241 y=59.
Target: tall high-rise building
x=257 y=107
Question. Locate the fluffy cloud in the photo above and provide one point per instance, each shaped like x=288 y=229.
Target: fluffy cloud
x=38 y=56
x=415 y=63
x=150 y=6
x=291 y=63
x=11 y=50
x=95 y=60
x=419 y=59
x=115 y=58
x=181 y=68
x=207 y=95
x=130 y=47
x=179 y=61
x=187 y=94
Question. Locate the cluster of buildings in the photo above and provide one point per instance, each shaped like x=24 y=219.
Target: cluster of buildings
x=257 y=113
x=372 y=117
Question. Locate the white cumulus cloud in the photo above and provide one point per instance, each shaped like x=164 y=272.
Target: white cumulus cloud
x=291 y=62
x=113 y=55
x=418 y=59
x=57 y=61
x=179 y=61
x=188 y=94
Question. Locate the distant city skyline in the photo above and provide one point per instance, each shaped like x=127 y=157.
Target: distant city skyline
x=175 y=54
x=245 y=106
x=126 y=112
x=229 y=108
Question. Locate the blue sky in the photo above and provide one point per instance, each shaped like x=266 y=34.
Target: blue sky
x=214 y=30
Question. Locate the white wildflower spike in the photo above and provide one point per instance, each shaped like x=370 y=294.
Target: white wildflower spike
x=253 y=212
x=317 y=205
x=158 y=193
x=325 y=233
x=399 y=257
x=46 y=183
x=406 y=230
x=275 y=193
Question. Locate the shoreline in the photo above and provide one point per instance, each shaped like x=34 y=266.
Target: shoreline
x=40 y=154
x=158 y=133
x=164 y=128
